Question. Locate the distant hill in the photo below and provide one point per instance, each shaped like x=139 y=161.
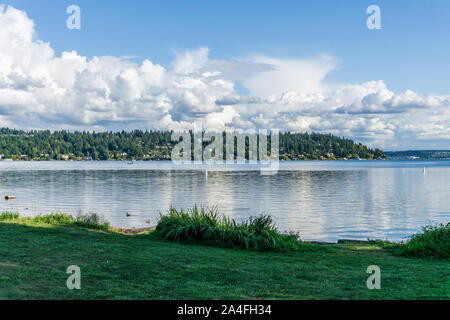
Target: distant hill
x=418 y=154
x=157 y=145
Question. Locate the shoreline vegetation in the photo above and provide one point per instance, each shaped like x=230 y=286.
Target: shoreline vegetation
x=205 y=226
x=198 y=254
x=45 y=145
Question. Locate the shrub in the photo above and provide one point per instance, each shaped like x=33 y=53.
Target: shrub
x=9 y=216
x=198 y=224
x=54 y=218
x=433 y=241
x=91 y=220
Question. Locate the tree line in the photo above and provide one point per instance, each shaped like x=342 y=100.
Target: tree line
x=157 y=145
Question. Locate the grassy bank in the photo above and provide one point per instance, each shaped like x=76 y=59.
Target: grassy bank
x=35 y=253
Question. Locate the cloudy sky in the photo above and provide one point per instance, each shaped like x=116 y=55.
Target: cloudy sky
x=303 y=66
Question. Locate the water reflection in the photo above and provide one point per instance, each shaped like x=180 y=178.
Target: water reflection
x=320 y=200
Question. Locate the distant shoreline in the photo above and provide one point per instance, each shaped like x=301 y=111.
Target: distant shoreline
x=418 y=154
x=281 y=160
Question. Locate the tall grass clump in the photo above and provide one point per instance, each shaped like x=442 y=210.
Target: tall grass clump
x=433 y=241
x=206 y=225
x=8 y=215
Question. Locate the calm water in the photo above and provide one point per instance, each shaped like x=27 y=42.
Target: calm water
x=323 y=200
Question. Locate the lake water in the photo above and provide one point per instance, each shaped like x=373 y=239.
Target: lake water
x=322 y=200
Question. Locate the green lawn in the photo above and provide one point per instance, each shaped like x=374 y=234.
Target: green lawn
x=34 y=258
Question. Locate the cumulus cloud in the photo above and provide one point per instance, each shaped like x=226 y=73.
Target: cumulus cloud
x=39 y=89
x=287 y=75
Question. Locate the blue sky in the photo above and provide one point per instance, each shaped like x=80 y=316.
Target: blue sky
x=410 y=52
x=293 y=65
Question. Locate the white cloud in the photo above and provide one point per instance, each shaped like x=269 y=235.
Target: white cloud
x=190 y=61
x=41 y=90
x=287 y=75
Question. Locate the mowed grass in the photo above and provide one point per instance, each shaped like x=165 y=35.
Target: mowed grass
x=34 y=257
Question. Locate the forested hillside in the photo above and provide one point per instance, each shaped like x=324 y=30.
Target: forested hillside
x=156 y=145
